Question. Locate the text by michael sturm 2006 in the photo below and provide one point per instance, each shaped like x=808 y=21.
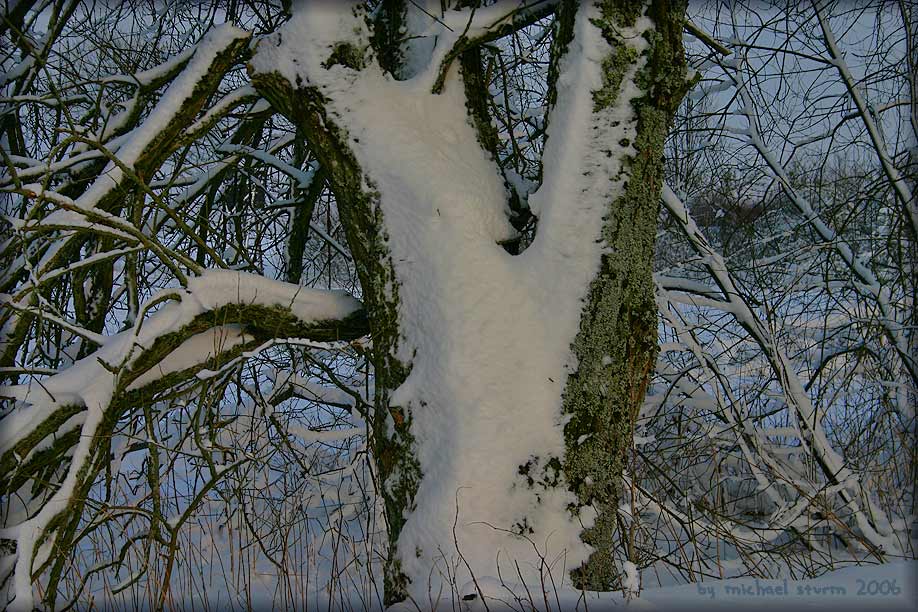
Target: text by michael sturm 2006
x=783 y=588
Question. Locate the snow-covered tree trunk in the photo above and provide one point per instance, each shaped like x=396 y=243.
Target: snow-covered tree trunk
x=506 y=385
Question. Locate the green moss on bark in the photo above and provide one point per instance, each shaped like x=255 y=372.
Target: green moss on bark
x=616 y=346
x=614 y=68
x=20 y=464
x=398 y=470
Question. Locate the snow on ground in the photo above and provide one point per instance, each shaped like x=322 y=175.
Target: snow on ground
x=877 y=587
x=890 y=586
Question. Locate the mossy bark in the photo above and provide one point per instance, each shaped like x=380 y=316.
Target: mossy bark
x=398 y=470
x=616 y=346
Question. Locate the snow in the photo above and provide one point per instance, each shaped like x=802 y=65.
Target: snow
x=225 y=104
x=875 y=587
x=303 y=178
x=487 y=334
x=883 y=587
x=199 y=348
x=868 y=283
x=631 y=579
x=160 y=71
x=140 y=138
x=216 y=288
x=211 y=290
x=92 y=381
x=810 y=432
x=867 y=115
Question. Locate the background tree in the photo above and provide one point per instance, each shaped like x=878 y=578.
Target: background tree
x=807 y=319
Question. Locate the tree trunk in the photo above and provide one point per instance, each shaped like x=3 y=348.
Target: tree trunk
x=616 y=346
x=506 y=386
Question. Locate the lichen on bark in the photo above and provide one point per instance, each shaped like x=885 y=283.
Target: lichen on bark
x=616 y=346
x=392 y=442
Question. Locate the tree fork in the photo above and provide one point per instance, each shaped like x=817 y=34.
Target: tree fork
x=618 y=321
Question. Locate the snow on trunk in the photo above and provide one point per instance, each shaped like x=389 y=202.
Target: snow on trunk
x=486 y=337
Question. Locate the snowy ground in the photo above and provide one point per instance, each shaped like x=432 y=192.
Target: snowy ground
x=890 y=586
x=876 y=587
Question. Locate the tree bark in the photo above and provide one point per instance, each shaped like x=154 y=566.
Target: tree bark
x=397 y=470
x=615 y=347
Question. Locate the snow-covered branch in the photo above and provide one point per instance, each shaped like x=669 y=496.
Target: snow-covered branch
x=808 y=426
x=218 y=315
